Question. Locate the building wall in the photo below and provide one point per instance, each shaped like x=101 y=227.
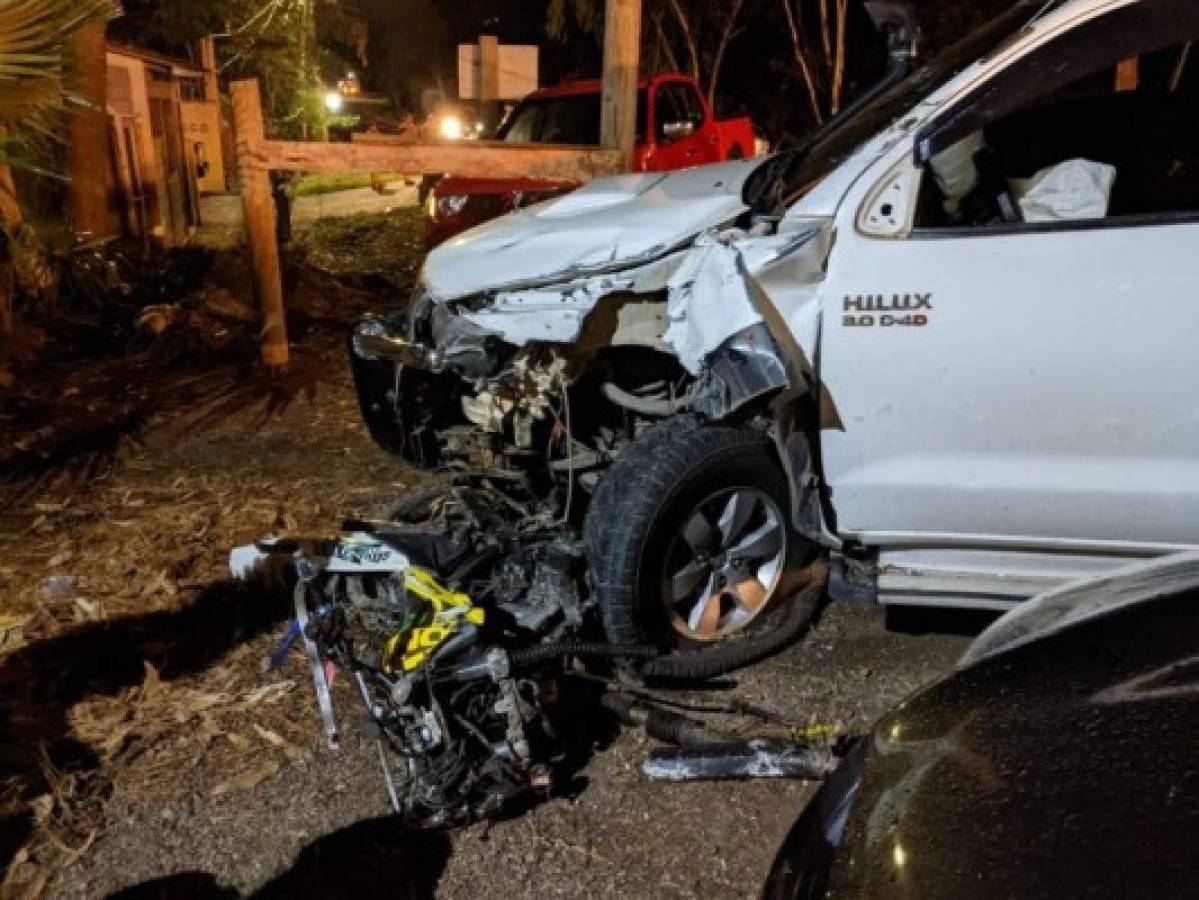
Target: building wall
x=167 y=150
x=202 y=134
x=141 y=173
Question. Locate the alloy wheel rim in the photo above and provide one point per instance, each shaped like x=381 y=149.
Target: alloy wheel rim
x=725 y=563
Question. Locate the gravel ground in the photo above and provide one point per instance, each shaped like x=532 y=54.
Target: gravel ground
x=213 y=820
x=321 y=825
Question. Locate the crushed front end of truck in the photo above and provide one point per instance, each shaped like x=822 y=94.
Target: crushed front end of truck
x=551 y=378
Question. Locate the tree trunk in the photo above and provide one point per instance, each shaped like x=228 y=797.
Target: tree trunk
x=10 y=207
x=825 y=31
x=726 y=34
x=662 y=45
x=88 y=164
x=839 y=58
x=801 y=58
x=307 y=64
x=10 y=218
x=688 y=37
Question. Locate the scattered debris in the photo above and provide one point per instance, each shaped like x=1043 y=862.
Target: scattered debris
x=129 y=342
x=367 y=250
x=59 y=587
x=247 y=780
x=102 y=546
x=12 y=631
x=745 y=759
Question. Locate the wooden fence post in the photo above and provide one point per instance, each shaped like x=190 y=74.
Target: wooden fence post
x=259 y=208
x=622 y=55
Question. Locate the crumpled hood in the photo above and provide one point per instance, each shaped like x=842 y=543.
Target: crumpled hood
x=608 y=223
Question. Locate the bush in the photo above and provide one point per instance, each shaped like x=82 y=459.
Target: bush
x=315 y=185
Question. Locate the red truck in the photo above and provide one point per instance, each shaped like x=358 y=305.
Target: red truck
x=675 y=130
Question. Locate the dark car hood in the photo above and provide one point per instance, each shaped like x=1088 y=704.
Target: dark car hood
x=1067 y=767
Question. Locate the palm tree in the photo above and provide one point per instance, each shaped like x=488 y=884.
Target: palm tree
x=34 y=93
x=34 y=80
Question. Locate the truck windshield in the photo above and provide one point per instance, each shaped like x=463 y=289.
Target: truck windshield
x=787 y=176
x=568 y=119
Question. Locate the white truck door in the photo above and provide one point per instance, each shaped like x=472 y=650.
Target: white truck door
x=1004 y=380
x=1037 y=385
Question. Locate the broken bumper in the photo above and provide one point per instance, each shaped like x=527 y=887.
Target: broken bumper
x=405 y=392
x=371 y=340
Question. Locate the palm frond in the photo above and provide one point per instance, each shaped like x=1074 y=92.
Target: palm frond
x=34 y=72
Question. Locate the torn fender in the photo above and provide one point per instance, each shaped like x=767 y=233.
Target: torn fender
x=714 y=294
x=747 y=367
x=708 y=286
x=556 y=314
x=709 y=301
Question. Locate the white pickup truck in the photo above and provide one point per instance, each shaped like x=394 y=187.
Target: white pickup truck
x=947 y=345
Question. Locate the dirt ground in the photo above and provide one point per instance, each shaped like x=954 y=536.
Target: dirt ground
x=145 y=752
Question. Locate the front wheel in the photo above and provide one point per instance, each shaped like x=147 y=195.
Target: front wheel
x=688 y=536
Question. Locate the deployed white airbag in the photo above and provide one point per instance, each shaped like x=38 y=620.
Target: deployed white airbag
x=1072 y=191
x=955 y=171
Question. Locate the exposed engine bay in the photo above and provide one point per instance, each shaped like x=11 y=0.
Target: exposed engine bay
x=462 y=621
x=441 y=391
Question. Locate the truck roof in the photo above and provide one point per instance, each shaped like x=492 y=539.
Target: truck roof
x=595 y=85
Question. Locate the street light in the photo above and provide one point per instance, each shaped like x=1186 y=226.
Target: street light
x=334 y=102
x=451 y=128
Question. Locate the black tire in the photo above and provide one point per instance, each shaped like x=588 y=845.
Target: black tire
x=641 y=503
x=735 y=153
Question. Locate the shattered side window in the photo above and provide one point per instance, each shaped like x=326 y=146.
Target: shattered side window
x=1121 y=142
x=571 y=119
x=1093 y=47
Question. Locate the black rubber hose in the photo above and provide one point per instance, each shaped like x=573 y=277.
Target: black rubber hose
x=724 y=658
x=663 y=725
x=623 y=707
x=672 y=728
x=531 y=656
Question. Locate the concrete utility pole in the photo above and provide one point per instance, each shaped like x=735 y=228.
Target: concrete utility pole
x=622 y=56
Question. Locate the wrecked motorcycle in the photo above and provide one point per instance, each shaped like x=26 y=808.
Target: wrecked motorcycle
x=463 y=620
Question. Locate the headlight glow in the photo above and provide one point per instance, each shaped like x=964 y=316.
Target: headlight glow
x=451 y=204
x=451 y=128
